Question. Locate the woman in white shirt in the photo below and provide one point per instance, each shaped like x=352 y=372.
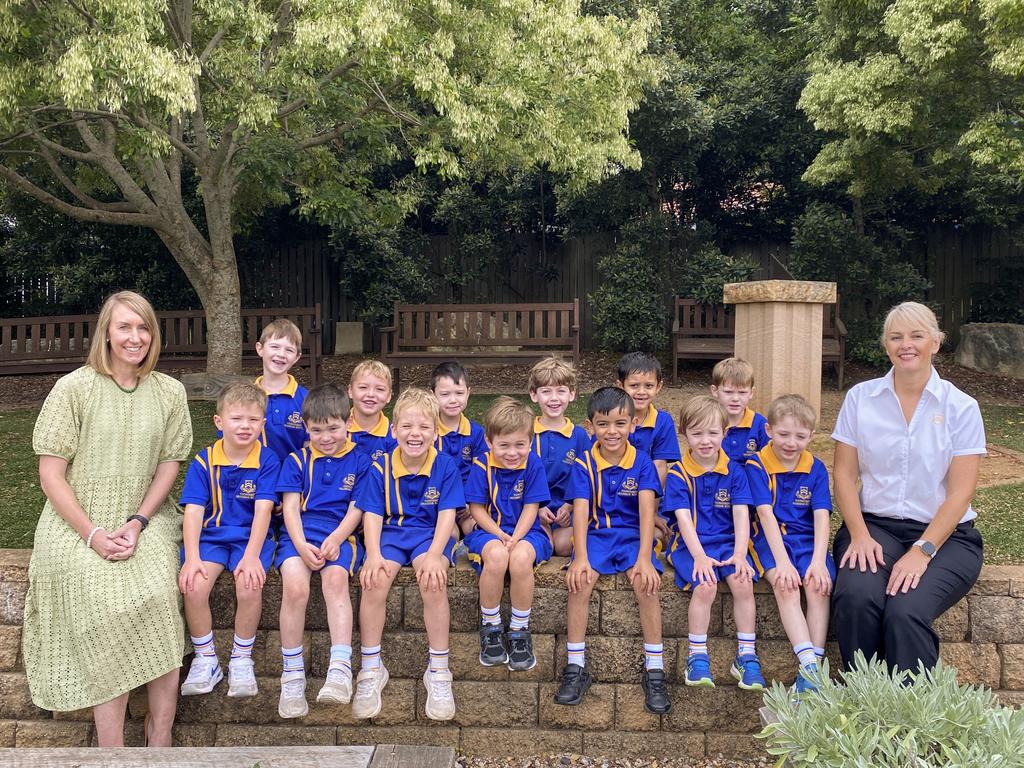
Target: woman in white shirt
x=908 y=549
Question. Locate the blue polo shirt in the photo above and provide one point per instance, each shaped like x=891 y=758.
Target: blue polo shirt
x=506 y=491
x=613 y=490
x=463 y=444
x=656 y=436
x=325 y=483
x=411 y=500
x=228 y=492
x=376 y=442
x=284 y=432
x=746 y=438
x=707 y=494
x=558 y=449
x=794 y=495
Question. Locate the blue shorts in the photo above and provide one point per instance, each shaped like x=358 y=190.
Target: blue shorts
x=799 y=547
x=316 y=528
x=403 y=545
x=615 y=550
x=717 y=548
x=226 y=545
x=477 y=539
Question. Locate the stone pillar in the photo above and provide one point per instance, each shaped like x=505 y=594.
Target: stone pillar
x=778 y=331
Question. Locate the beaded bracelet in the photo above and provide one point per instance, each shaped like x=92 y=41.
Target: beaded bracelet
x=88 y=541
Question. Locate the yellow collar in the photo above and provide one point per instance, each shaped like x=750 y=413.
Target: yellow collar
x=398 y=468
x=651 y=417
x=347 y=447
x=696 y=470
x=380 y=429
x=626 y=462
x=491 y=464
x=565 y=430
x=746 y=420
x=289 y=389
x=220 y=459
x=773 y=466
x=463 y=428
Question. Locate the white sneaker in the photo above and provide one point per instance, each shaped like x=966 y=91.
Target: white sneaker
x=440 y=700
x=241 y=678
x=293 y=696
x=337 y=688
x=367 y=699
x=203 y=675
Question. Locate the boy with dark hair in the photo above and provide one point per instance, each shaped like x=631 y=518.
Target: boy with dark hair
x=641 y=377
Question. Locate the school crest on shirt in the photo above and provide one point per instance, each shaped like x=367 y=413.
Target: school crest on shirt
x=376 y=455
x=467 y=453
x=803 y=496
x=751 y=446
x=294 y=420
x=349 y=482
x=630 y=487
x=431 y=495
x=570 y=457
x=723 y=499
x=517 y=490
x=247 y=490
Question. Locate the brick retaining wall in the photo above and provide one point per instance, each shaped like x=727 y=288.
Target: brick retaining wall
x=502 y=713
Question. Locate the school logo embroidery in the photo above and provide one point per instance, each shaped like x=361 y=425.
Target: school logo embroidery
x=348 y=483
x=517 y=490
x=938 y=419
x=803 y=496
x=723 y=499
x=467 y=453
x=431 y=496
x=751 y=446
x=247 y=490
x=630 y=487
x=377 y=454
x=294 y=420
x=570 y=457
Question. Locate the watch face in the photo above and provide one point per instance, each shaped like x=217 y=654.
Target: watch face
x=927 y=547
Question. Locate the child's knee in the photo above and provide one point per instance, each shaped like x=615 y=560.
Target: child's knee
x=495 y=556
x=294 y=591
x=705 y=593
x=334 y=583
x=740 y=589
x=433 y=599
x=521 y=561
x=246 y=596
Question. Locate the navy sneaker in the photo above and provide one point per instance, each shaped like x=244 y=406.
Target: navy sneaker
x=698 y=671
x=520 y=650
x=575 y=683
x=656 y=700
x=492 y=645
x=747 y=670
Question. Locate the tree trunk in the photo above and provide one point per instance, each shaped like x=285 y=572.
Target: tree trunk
x=858 y=215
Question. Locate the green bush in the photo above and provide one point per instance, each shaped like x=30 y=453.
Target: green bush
x=705 y=273
x=872 y=718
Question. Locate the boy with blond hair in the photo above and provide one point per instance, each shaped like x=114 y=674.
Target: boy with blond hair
x=706 y=498
x=408 y=503
x=506 y=488
x=279 y=348
x=558 y=443
x=732 y=384
x=369 y=389
x=790 y=489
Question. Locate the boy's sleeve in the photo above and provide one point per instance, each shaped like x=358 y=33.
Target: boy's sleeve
x=536 y=481
x=757 y=482
x=290 y=477
x=578 y=485
x=761 y=434
x=677 y=492
x=452 y=495
x=300 y=400
x=476 y=484
x=821 y=496
x=196 y=489
x=478 y=440
x=370 y=493
x=390 y=443
x=266 y=481
x=739 y=487
x=664 y=443
x=648 y=476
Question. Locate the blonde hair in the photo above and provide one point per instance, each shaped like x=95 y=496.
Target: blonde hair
x=241 y=393
x=915 y=314
x=282 y=328
x=552 y=372
x=795 y=407
x=99 y=351
x=733 y=370
x=700 y=410
x=371 y=368
x=507 y=416
x=414 y=399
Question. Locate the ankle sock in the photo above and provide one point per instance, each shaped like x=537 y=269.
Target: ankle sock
x=577 y=653
x=341 y=657
x=746 y=643
x=490 y=617
x=438 y=660
x=369 y=657
x=654 y=655
x=293 y=660
x=805 y=654
x=204 y=645
x=242 y=648
x=819 y=652
x=520 y=619
x=698 y=644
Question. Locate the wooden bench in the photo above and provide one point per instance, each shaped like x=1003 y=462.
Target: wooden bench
x=480 y=333
x=61 y=343
x=706 y=332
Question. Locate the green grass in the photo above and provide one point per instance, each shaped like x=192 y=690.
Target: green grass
x=19 y=467
x=998 y=511
x=1004 y=425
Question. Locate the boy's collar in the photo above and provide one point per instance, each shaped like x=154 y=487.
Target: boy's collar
x=696 y=470
x=463 y=429
x=289 y=389
x=218 y=458
x=626 y=462
x=651 y=417
x=491 y=464
x=380 y=429
x=346 y=448
x=398 y=466
x=746 y=420
x=773 y=466
x=565 y=430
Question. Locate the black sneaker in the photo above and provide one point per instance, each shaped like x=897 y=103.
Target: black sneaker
x=576 y=682
x=656 y=700
x=492 y=645
x=520 y=650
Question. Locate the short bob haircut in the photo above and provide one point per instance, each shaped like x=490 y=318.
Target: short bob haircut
x=324 y=403
x=415 y=399
x=552 y=372
x=371 y=368
x=608 y=399
x=99 y=347
x=915 y=314
x=282 y=328
x=701 y=410
x=793 y=406
x=508 y=416
x=733 y=370
x=241 y=393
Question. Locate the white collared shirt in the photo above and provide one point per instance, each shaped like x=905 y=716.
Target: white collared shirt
x=903 y=467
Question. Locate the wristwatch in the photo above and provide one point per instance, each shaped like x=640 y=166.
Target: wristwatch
x=144 y=521
x=926 y=546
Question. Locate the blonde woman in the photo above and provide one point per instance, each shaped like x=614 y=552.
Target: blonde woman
x=908 y=549
x=102 y=614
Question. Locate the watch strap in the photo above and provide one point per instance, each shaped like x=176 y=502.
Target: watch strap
x=142 y=520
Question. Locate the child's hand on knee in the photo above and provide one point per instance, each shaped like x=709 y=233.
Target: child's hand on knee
x=190 y=571
x=704 y=570
x=786 y=577
x=432 y=572
x=644 y=577
x=373 y=568
x=250 y=573
x=817 y=578
x=578 y=575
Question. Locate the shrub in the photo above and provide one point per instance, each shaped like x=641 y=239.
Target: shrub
x=705 y=273
x=877 y=719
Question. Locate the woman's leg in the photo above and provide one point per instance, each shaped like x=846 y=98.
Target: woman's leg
x=109 y=719
x=162 y=694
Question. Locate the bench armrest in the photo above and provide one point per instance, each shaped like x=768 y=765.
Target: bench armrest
x=388 y=329
x=840 y=327
x=675 y=327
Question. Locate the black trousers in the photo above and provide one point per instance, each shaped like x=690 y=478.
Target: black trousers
x=899 y=628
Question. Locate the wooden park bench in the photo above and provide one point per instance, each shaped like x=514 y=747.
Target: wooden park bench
x=706 y=332
x=480 y=333
x=61 y=343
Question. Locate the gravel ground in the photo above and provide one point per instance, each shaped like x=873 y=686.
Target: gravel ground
x=582 y=761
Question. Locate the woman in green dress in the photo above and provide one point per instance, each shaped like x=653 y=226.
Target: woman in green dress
x=103 y=612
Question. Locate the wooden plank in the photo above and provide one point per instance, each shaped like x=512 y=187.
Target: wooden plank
x=409 y=756
x=204 y=757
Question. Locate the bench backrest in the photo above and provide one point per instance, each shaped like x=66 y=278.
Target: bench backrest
x=698 y=320
x=480 y=325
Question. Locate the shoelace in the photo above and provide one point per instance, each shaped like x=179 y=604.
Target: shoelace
x=364 y=687
x=243 y=672
x=294 y=688
x=656 y=685
x=201 y=671
x=519 y=645
x=440 y=689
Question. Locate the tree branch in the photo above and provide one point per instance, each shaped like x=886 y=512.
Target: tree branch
x=74 y=189
x=299 y=103
x=104 y=157
x=326 y=137
x=212 y=45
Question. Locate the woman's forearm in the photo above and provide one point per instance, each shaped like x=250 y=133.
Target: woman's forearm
x=159 y=487
x=961 y=482
x=53 y=481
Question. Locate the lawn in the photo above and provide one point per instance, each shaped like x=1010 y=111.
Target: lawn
x=1004 y=425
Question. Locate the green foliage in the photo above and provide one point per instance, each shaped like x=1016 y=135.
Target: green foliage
x=874 y=719
x=705 y=272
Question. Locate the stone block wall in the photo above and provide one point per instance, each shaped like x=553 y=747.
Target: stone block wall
x=503 y=713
